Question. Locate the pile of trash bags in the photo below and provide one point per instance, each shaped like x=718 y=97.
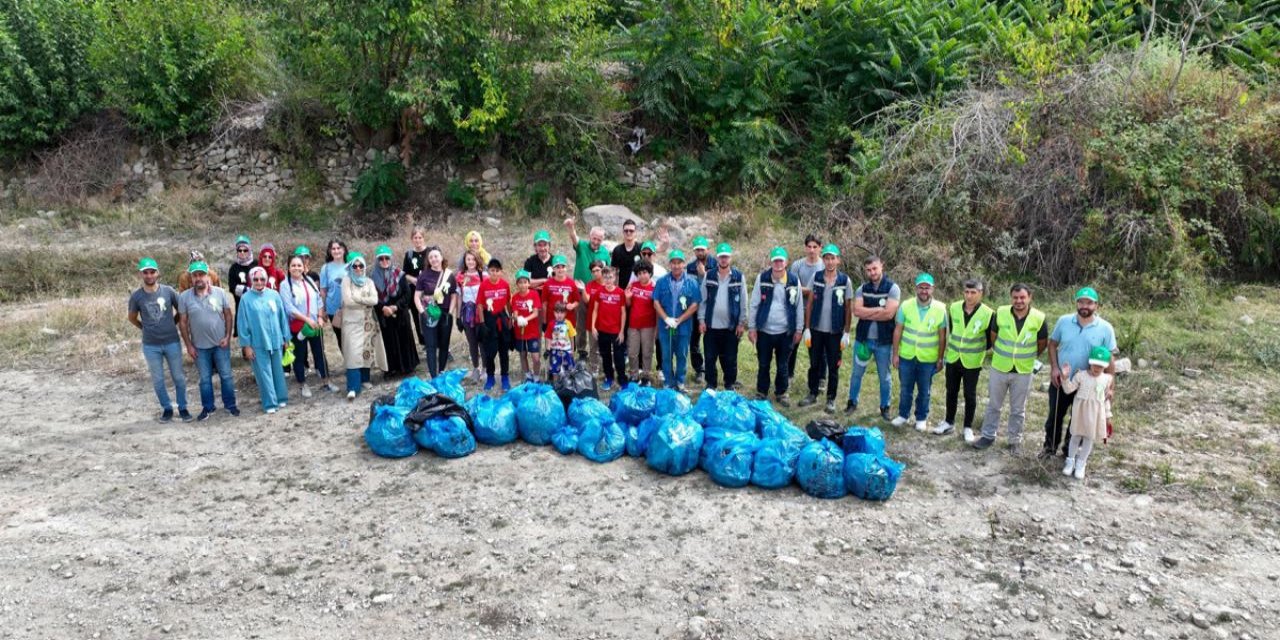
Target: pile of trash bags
x=738 y=442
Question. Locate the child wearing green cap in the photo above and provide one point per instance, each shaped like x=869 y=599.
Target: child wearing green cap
x=526 y=307
x=1090 y=411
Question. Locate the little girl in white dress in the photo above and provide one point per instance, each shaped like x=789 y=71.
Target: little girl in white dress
x=1090 y=410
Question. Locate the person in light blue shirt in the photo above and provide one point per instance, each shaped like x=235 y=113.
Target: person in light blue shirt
x=676 y=297
x=264 y=334
x=331 y=276
x=1074 y=335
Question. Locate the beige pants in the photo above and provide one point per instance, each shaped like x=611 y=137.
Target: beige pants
x=640 y=350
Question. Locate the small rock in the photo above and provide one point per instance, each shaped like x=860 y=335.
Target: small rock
x=370 y=154
x=493 y=222
x=1100 y=610
x=1143 y=363
x=1123 y=365
x=1246 y=320
x=1032 y=615
x=788 y=560
x=265 y=215
x=691 y=597
x=383 y=598
x=568 y=568
x=1200 y=620
x=49 y=332
x=1191 y=373
x=491 y=175
x=1239 y=299
x=696 y=628
x=1169 y=561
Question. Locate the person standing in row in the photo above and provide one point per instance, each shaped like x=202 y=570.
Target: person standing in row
x=495 y=294
x=361 y=340
x=967 y=346
x=804 y=269
x=875 y=304
x=264 y=335
x=775 y=324
x=434 y=301
x=539 y=264
x=303 y=307
x=626 y=253
x=526 y=311
x=153 y=308
x=676 y=301
x=238 y=274
x=642 y=322
x=1090 y=407
x=1018 y=335
x=1074 y=337
x=919 y=342
x=206 y=322
x=722 y=317
x=331 y=276
x=267 y=260
x=590 y=296
x=186 y=280
x=608 y=315
x=304 y=252
x=585 y=252
x=828 y=314
x=560 y=288
x=467 y=312
x=393 y=310
x=697 y=269
x=474 y=243
x=415 y=260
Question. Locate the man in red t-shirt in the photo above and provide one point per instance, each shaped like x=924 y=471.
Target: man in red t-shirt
x=526 y=307
x=642 y=331
x=494 y=298
x=608 y=315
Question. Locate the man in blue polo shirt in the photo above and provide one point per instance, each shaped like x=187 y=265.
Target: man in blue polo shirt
x=1074 y=335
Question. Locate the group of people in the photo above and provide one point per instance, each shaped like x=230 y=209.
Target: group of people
x=618 y=311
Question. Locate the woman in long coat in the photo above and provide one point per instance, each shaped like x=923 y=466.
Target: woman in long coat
x=394 y=313
x=361 y=340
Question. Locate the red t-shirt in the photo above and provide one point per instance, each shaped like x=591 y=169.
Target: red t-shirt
x=608 y=306
x=556 y=290
x=591 y=289
x=641 y=311
x=499 y=292
x=525 y=304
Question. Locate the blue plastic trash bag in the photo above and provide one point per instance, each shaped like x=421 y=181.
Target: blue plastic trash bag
x=871 y=477
x=864 y=440
x=565 y=439
x=411 y=390
x=675 y=446
x=774 y=465
x=495 y=419
x=724 y=410
x=704 y=407
x=669 y=402
x=766 y=415
x=729 y=461
x=585 y=411
x=787 y=432
x=639 y=435
x=539 y=415
x=633 y=404
x=602 y=441
x=518 y=392
x=447 y=437
x=820 y=470
x=450 y=384
x=387 y=434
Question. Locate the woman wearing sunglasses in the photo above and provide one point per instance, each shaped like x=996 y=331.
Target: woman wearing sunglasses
x=264 y=333
x=361 y=340
x=238 y=275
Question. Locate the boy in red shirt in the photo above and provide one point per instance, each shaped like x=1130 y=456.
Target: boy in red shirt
x=494 y=298
x=642 y=331
x=526 y=307
x=608 y=315
x=559 y=288
x=587 y=345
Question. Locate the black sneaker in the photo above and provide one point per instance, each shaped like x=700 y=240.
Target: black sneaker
x=233 y=411
x=167 y=416
x=808 y=400
x=185 y=415
x=884 y=413
x=850 y=407
x=1044 y=454
x=983 y=442
x=782 y=401
x=204 y=414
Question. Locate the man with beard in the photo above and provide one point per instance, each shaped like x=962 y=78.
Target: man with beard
x=153 y=308
x=206 y=320
x=1074 y=335
x=919 y=342
x=1017 y=334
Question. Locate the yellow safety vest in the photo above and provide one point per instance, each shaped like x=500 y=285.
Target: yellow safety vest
x=920 y=336
x=1015 y=350
x=968 y=342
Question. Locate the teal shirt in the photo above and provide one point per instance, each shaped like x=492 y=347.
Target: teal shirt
x=583 y=256
x=922 y=311
x=261 y=321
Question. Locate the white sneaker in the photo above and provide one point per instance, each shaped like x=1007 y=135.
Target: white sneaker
x=351 y=395
x=270 y=411
x=898 y=421
x=1079 y=471
x=306 y=391
x=284 y=404
x=969 y=436
x=331 y=387
x=1070 y=466
x=922 y=426
x=943 y=428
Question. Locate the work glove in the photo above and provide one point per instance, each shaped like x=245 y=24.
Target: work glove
x=671 y=322
x=522 y=321
x=808 y=338
x=844 y=340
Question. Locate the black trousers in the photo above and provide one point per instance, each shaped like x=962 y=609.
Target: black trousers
x=957 y=373
x=722 y=350
x=824 y=361
x=494 y=347
x=435 y=344
x=1055 y=436
x=695 y=348
x=613 y=357
x=768 y=347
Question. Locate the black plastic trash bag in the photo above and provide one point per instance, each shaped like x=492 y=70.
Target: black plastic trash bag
x=388 y=400
x=820 y=470
x=539 y=414
x=450 y=384
x=387 y=435
x=729 y=461
x=669 y=402
x=602 y=441
x=437 y=405
x=675 y=446
x=633 y=404
x=447 y=437
x=565 y=439
x=871 y=477
x=829 y=429
x=578 y=383
x=494 y=418
x=864 y=440
x=411 y=390
x=639 y=435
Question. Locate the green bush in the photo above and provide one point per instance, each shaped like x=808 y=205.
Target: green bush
x=46 y=81
x=458 y=194
x=167 y=63
x=381 y=185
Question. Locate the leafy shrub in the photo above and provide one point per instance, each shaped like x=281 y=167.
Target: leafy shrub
x=381 y=185
x=460 y=195
x=46 y=81
x=167 y=63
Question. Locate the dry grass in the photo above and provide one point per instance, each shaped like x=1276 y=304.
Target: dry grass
x=88 y=334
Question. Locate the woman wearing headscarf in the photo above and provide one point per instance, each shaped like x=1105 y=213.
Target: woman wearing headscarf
x=303 y=305
x=473 y=241
x=331 y=276
x=264 y=333
x=434 y=301
x=361 y=340
x=238 y=275
x=467 y=313
x=184 y=278
x=267 y=260
x=393 y=311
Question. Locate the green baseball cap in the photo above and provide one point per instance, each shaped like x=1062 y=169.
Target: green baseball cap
x=924 y=278
x=648 y=244
x=1087 y=293
x=1100 y=356
x=831 y=249
x=523 y=275
x=383 y=250
x=559 y=261
x=148 y=263
x=676 y=254
x=778 y=253
x=723 y=249
x=542 y=235
x=701 y=242
x=242 y=239
x=302 y=250
x=355 y=255
x=198 y=267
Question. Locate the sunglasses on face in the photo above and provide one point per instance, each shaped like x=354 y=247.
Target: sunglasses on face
x=259 y=279
x=385 y=258
x=357 y=266
x=242 y=251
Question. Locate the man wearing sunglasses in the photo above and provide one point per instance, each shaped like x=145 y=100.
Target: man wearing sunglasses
x=626 y=253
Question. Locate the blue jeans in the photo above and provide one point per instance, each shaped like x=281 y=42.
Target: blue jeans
x=206 y=361
x=156 y=356
x=915 y=378
x=883 y=354
x=356 y=378
x=269 y=375
x=673 y=365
